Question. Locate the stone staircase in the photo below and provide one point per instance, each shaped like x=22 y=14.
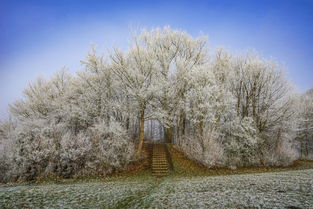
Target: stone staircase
x=160 y=165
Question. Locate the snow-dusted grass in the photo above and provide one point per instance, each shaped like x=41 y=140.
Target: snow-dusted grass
x=78 y=195
x=267 y=190
x=263 y=190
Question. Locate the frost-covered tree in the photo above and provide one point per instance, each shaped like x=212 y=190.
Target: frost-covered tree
x=175 y=53
x=263 y=94
x=205 y=108
x=137 y=79
x=305 y=132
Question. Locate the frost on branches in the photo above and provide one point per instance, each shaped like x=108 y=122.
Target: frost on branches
x=305 y=131
x=219 y=109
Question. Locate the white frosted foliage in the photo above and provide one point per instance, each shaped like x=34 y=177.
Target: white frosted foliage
x=219 y=108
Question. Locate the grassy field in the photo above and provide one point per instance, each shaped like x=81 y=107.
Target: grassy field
x=189 y=185
x=263 y=190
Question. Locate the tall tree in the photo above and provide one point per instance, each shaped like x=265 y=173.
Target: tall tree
x=175 y=53
x=136 y=73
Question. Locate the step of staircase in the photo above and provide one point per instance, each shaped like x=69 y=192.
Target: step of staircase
x=160 y=166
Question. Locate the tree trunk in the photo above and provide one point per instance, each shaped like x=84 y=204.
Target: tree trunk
x=201 y=128
x=182 y=125
x=141 y=132
x=169 y=135
x=127 y=123
x=151 y=130
x=304 y=149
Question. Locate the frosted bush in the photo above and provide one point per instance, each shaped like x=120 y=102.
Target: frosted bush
x=213 y=156
x=241 y=142
x=39 y=150
x=75 y=152
x=283 y=155
x=32 y=150
x=6 y=134
x=112 y=147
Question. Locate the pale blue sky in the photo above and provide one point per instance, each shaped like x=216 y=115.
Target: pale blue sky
x=39 y=37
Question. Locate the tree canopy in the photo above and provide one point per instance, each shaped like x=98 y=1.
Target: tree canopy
x=219 y=108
